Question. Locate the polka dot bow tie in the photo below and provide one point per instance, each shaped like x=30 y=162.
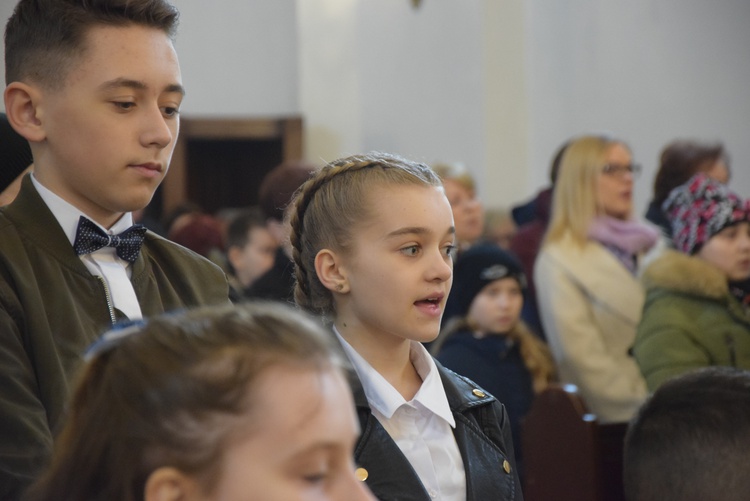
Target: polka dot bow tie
x=90 y=238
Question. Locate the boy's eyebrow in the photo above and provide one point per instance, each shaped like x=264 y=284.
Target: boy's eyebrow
x=138 y=85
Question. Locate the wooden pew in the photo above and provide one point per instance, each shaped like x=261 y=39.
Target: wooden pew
x=568 y=455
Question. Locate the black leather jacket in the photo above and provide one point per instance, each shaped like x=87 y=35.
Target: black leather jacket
x=482 y=433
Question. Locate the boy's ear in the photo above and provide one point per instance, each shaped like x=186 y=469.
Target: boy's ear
x=234 y=256
x=169 y=484
x=21 y=102
x=330 y=271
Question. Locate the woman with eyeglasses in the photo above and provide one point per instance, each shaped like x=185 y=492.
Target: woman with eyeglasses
x=246 y=403
x=589 y=298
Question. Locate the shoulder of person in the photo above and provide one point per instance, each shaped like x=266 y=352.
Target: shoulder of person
x=164 y=251
x=679 y=272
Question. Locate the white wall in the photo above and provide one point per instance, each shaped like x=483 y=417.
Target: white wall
x=495 y=84
x=646 y=70
x=237 y=57
x=418 y=82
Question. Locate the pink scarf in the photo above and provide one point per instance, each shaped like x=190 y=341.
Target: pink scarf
x=624 y=238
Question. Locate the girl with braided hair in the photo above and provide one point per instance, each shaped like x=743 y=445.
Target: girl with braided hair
x=373 y=239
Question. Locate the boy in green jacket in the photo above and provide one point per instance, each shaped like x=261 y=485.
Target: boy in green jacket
x=95 y=88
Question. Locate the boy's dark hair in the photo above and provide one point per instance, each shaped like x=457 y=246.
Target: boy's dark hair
x=680 y=160
x=43 y=38
x=240 y=226
x=690 y=440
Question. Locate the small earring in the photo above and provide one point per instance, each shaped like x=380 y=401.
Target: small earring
x=340 y=287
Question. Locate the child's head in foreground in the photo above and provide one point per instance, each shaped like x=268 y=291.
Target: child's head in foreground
x=372 y=239
x=690 y=440
x=237 y=403
x=95 y=87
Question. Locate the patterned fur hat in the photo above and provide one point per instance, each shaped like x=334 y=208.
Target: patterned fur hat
x=699 y=209
x=15 y=153
x=475 y=268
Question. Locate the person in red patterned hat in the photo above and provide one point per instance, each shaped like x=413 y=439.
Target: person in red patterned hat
x=691 y=318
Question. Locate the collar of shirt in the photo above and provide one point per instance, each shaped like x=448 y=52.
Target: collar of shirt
x=68 y=215
x=384 y=398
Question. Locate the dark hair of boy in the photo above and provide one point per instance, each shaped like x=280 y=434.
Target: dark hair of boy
x=690 y=440
x=239 y=228
x=43 y=38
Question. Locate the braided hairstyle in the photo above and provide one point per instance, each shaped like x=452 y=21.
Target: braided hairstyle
x=330 y=204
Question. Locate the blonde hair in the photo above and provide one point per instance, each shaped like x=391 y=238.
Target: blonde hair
x=535 y=354
x=330 y=204
x=575 y=202
x=457 y=173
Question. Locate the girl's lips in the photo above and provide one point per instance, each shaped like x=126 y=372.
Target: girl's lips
x=432 y=306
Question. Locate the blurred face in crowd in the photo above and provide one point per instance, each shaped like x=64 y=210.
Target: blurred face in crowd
x=497 y=307
x=719 y=171
x=468 y=214
x=615 y=183
x=729 y=250
x=256 y=257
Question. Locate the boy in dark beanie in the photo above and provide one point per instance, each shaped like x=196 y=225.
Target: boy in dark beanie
x=484 y=338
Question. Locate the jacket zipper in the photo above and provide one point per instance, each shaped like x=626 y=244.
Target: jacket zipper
x=110 y=307
x=729 y=340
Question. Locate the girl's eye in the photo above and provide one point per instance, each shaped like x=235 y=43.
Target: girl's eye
x=412 y=250
x=450 y=251
x=315 y=478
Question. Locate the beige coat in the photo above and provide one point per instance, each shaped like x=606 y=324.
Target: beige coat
x=590 y=306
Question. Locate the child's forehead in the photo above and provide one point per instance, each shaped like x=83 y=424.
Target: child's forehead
x=120 y=49
x=408 y=204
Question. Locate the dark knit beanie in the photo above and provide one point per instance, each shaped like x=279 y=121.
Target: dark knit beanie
x=474 y=269
x=15 y=153
x=699 y=209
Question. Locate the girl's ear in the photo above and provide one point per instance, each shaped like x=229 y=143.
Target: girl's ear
x=170 y=484
x=21 y=108
x=331 y=273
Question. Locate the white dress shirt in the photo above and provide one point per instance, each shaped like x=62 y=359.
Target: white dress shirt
x=421 y=427
x=103 y=263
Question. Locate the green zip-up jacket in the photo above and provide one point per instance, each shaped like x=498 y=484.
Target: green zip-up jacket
x=52 y=308
x=690 y=320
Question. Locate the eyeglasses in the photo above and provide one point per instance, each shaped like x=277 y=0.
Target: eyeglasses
x=620 y=170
